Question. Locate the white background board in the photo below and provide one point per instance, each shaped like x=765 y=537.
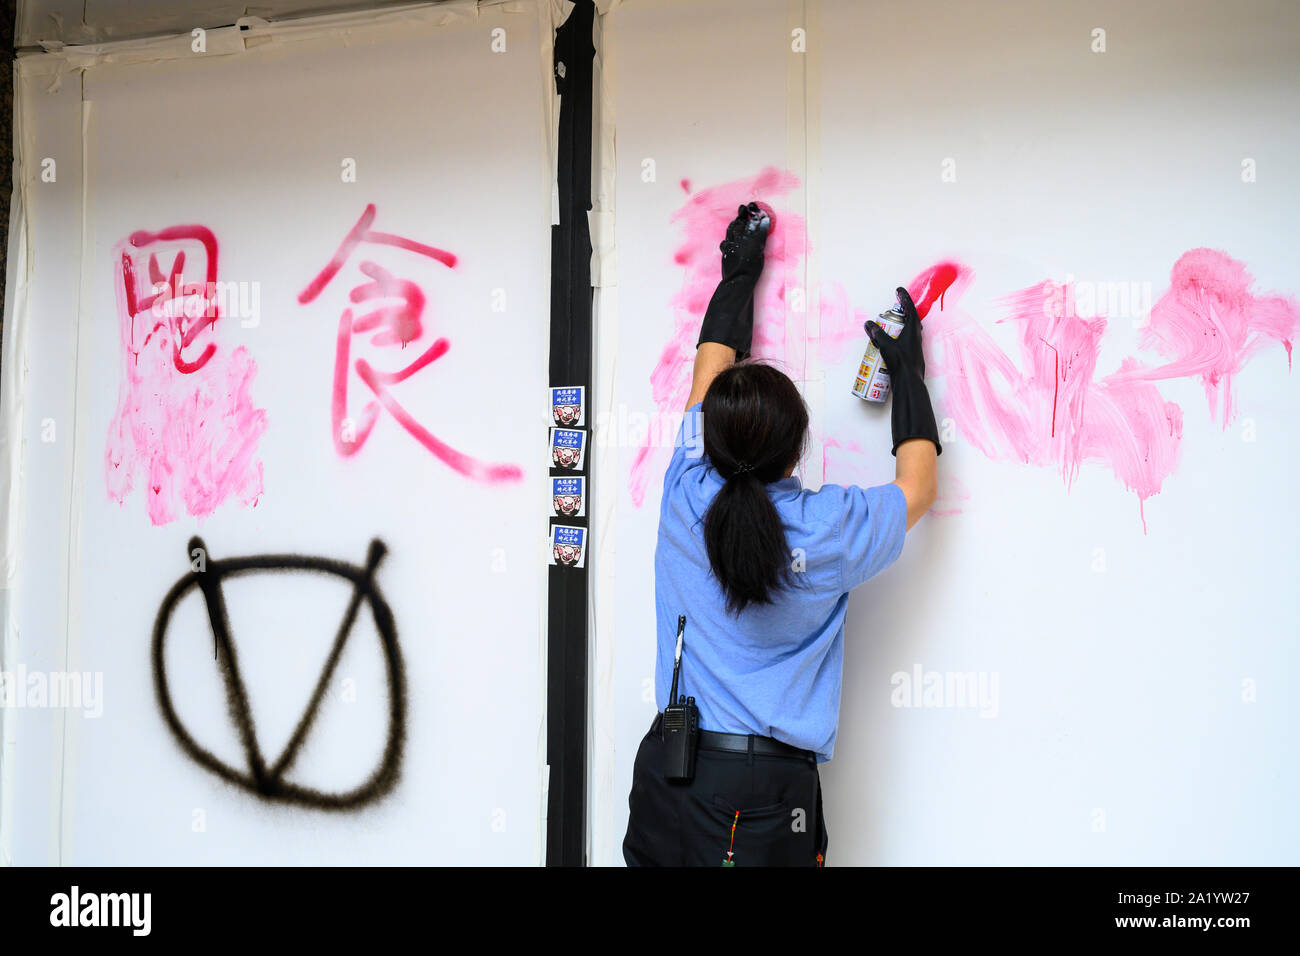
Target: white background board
x=1124 y=660
x=1121 y=655
x=450 y=144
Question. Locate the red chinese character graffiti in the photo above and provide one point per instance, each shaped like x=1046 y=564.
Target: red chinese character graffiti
x=395 y=308
x=166 y=305
x=185 y=424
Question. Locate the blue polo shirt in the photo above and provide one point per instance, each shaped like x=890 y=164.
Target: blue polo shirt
x=774 y=669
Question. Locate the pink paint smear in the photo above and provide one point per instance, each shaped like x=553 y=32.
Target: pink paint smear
x=1049 y=408
x=781 y=329
x=1209 y=324
x=1045 y=405
x=1035 y=416
x=186 y=425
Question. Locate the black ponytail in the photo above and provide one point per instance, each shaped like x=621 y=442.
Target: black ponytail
x=755 y=426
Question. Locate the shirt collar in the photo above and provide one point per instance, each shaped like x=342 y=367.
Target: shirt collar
x=786 y=487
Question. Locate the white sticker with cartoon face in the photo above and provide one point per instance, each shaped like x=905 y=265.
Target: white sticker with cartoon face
x=568 y=448
x=569 y=406
x=569 y=497
x=568 y=546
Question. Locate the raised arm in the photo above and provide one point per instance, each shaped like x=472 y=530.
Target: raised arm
x=915 y=434
x=917 y=473
x=710 y=359
x=728 y=329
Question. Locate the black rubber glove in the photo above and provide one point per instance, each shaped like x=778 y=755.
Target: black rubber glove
x=913 y=415
x=729 y=319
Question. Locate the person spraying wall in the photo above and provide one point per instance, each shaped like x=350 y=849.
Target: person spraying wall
x=752 y=577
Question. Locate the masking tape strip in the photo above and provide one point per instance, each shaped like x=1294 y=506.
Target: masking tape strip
x=361 y=26
x=603 y=842
x=13 y=409
x=82 y=354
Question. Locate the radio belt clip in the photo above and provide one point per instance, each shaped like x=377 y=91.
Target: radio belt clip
x=681 y=723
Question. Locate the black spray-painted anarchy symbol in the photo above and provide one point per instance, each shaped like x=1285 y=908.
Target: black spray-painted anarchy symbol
x=268 y=782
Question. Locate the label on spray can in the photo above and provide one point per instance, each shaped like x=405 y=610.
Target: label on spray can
x=872 y=380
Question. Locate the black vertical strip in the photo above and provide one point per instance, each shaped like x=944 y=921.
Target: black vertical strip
x=570 y=364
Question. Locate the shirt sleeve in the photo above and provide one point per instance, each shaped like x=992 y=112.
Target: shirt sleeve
x=873 y=526
x=688 y=446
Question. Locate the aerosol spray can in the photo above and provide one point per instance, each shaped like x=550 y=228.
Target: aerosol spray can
x=872 y=381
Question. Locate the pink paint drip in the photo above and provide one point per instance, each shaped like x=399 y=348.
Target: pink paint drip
x=781 y=330
x=932 y=285
x=1209 y=323
x=189 y=428
x=1048 y=410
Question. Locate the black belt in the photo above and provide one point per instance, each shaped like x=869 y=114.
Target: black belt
x=743 y=743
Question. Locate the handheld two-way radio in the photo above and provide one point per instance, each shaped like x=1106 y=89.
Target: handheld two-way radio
x=681 y=724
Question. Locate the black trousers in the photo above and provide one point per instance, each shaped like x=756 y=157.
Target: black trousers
x=740 y=810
